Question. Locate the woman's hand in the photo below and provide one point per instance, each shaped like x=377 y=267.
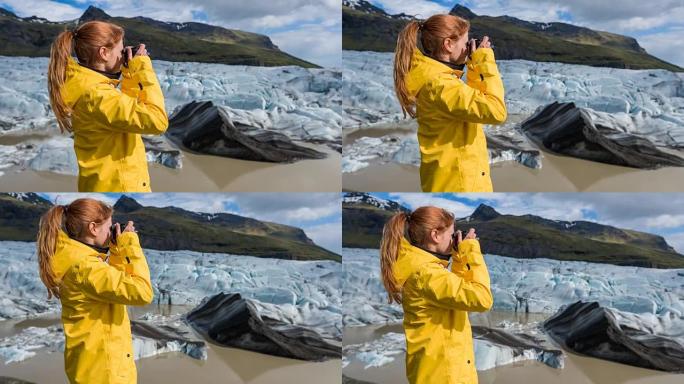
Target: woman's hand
x=485 y=43
x=130 y=227
x=142 y=51
x=459 y=237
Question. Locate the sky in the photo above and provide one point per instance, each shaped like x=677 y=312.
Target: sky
x=318 y=214
x=308 y=29
x=658 y=25
x=658 y=213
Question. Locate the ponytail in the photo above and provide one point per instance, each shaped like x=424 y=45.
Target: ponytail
x=48 y=230
x=406 y=44
x=392 y=234
x=72 y=219
x=60 y=51
x=85 y=41
x=417 y=225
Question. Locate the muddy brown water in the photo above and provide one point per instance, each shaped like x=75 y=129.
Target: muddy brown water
x=578 y=369
x=223 y=365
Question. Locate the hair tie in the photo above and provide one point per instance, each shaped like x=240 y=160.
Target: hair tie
x=408 y=217
x=74 y=34
x=65 y=208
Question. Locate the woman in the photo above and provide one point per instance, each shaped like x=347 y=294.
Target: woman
x=94 y=289
x=453 y=147
x=436 y=300
x=106 y=123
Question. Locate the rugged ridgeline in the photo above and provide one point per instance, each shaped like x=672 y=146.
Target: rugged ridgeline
x=172 y=228
x=526 y=236
x=198 y=42
x=363 y=217
x=366 y=27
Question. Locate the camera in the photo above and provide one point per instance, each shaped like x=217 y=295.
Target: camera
x=477 y=43
x=112 y=232
x=134 y=50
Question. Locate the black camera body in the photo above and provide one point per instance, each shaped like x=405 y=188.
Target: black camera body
x=134 y=50
x=112 y=232
x=477 y=43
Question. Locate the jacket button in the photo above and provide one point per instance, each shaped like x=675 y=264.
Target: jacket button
x=145 y=184
x=483 y=173
x=468 y=361
x=129 y=355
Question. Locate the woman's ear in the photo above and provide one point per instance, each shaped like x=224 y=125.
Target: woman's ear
x=102 y=53
x=92 y=229
x=447 y=45
x=434 y=236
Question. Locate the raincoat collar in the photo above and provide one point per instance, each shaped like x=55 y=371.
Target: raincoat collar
x=66 y=242
x=114 y=76
x=75 y=69
x=410 y=259
x=424 y=68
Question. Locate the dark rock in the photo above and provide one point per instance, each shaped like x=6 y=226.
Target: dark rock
x=205 y=128
x=161 y=150
x=590 y=329
x=232 y=321
x=163 y=335
x=565 y=129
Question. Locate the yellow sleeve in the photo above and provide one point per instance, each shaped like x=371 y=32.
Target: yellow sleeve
x=464 y=289
x=125 y=280
x=137 y=108
x=480 y=99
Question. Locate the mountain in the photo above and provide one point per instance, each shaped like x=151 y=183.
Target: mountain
x=173 y=228
x=363 y=217
x=366 y=27
x=196 y=42
x=525 y=236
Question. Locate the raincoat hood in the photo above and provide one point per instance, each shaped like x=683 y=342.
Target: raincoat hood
x=424 y=68
x=410 y=259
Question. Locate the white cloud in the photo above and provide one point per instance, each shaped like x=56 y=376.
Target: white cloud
x=328 y=236
x=50 y=10
x=420 y=9
x=415 y=200
x=68 y=197
x=315 y=43
x=676 y=241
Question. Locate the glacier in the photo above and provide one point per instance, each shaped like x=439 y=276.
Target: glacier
x=300 y=293
x=305 y=104
x=525 y=285
x=647 y=103
x=644 y=298
x=152 y=336
x=489 y=351
x=303 y=293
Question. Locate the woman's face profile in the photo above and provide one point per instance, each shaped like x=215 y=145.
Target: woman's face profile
x=101 y=232
x=443 y=240
x=457 y=49
x=113 y=57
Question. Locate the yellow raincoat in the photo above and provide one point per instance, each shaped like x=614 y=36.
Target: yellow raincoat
x=436 y=302
x=450 y=114
x=107 y=124
x=94 y=295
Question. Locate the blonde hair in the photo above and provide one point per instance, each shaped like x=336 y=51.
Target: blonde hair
x=433 y=31
x=86 y=41
x=418 y=225
x=74 y=219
